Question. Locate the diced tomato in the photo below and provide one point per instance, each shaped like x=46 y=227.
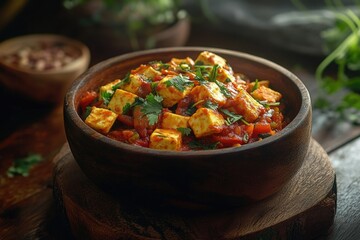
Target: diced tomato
x=141 y=123
x=183 y=105
x=158 y=78
x=260 y=128
x=228 y=141
x=144 y=89
x=87 y=99
x=127 y=120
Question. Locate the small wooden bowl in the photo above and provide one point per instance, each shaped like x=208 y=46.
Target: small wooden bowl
x=229 y=176
x=45 y=86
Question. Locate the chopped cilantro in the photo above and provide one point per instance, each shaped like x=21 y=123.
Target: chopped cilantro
x=223 y=89
x=180 y=82
x=129 y=106
x=184 y=66
x=231 y=117
x=191 y=110
x=184 y=131
x=159 y=65
x=22 y=166
x=201 y=145
x=199 y=63
x=269 y=104
x=152 y=108
x=199 y=76
x=126 y=80
x=256 y=85
x=213 y=73
x=87 y=112
x=106 y=96
x=209 y=104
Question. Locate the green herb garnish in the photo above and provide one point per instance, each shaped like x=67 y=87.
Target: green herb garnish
x=231 y=117
x=87 y=112
x=128 y=106
x=152 y=108
x=209 y=104
x=22 y=166
x=214 y=73
x=184 y=131
x=269 y=104
x=180 y=82
x=343 y=40
x=126 y=80
x=106 y=96
x=256 y=85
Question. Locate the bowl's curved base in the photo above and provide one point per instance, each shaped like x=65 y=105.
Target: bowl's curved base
x=309 y=198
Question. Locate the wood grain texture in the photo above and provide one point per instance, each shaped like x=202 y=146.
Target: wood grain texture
x=303 y=209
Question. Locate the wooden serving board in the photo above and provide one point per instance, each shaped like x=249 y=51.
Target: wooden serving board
x=303 y=209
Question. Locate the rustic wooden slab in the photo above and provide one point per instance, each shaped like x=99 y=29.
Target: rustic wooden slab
x=303 y=209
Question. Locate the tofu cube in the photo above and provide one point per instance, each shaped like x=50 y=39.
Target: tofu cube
x=251 y=85
x=165 y=139
x=170 y=94
x=135 y=83
x=224 y=75
x=108 y=88
x=174 y=121
x=101 y=119
x=245 y=105
x=208 y=58
x=120 y=99
x=150 y=72
x=209 y=91
x=205 y=122
x=178 y=61
x=266 y=94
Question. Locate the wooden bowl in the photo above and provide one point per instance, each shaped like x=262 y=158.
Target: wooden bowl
x=48 y=85
x=231 y=176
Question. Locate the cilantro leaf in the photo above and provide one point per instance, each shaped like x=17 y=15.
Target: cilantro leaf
x=213 y=73
x=232 y=117
x=256 y=85
x=223 y=89
x=129 y=106
x=180 y=82
x=106 y=96
x=184 y=131
x=152 y=108
x=87 y=112
x=126 y=80
x=22 y=166
x=209 y=104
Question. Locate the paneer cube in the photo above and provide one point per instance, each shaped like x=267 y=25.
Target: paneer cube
x=108 y=88
x=266 y=94
x=165 y=139
x=101 y=119
x=224 y=75
x=208 y=58
x=150 y=72
x=135 y=82
x=171 y=94
x=251 y=85
x=245 y=105
x=174 y=121
x=120 y=99
x=178 y=61
x=205 y=122
x=209 y=91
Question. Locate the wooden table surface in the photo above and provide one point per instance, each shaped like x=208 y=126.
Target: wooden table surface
x=28 y=127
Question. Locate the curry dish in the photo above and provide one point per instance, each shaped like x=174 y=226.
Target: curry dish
x=185 y=104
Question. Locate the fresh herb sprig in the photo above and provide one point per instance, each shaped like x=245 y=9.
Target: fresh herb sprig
x=22 y=166
x=346 y=56
x=152 y=108
x=231 y=117
x=180 y=82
